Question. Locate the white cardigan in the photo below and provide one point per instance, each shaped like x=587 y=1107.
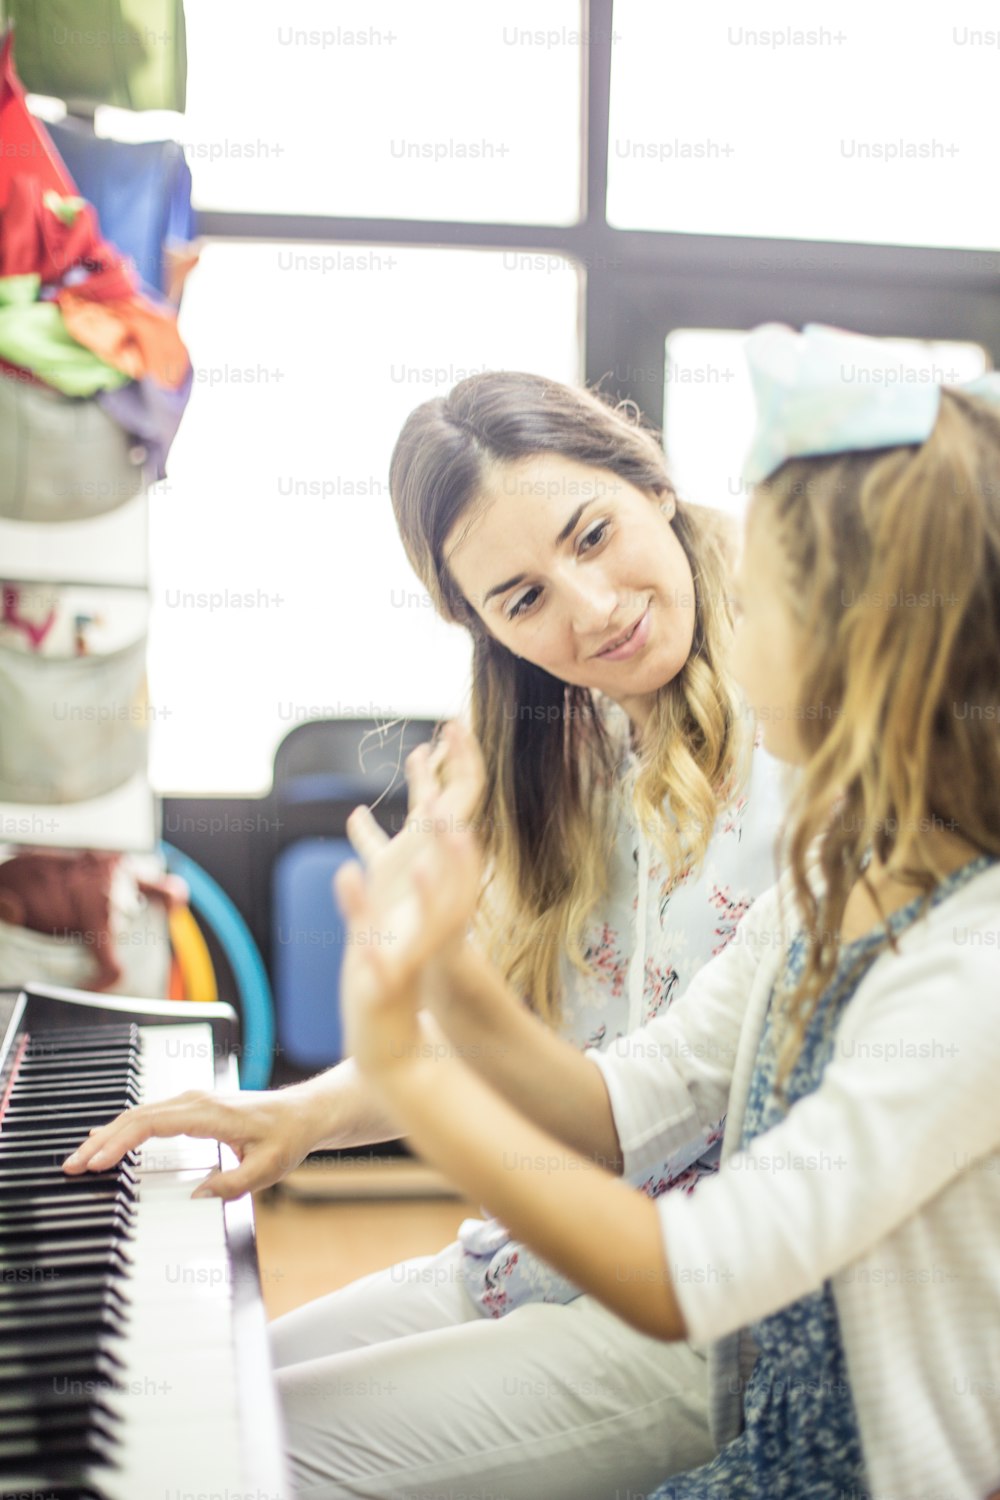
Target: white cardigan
x=882 y=1179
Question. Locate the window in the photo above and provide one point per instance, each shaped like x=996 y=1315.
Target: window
x=859 y=123
x=281 y=589
x=391 y=110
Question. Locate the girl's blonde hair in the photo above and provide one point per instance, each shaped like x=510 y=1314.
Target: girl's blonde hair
x=893 y=569
x=550 y=758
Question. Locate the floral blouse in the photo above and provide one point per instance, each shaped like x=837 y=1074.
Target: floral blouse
x=650 y=936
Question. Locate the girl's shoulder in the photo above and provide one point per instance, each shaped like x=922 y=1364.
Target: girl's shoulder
x=948 y=960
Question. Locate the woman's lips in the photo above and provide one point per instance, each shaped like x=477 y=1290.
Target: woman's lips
x=632 y=643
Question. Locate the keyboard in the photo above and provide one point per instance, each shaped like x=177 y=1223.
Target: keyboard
x=134 y=1359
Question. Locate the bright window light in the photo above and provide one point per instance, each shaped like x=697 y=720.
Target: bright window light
x=281 y=590
x=856 y=123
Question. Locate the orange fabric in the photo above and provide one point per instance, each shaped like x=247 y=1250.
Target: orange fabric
x=132 y=336
x=175 y=989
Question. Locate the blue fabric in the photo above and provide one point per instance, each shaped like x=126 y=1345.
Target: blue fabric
x=151 y=414
x=801 y=1438
x=827 y=391
x=141 y=191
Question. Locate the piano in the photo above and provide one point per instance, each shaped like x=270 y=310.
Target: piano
x=134 y=1358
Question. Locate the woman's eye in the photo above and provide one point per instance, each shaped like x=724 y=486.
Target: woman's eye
x=594 y=536
x=526 y=600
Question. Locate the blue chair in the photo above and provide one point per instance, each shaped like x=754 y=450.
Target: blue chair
x=322 y=770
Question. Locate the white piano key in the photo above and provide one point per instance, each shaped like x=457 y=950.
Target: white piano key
x=174 y=1059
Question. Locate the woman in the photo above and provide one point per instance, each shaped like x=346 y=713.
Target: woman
x=625 y=834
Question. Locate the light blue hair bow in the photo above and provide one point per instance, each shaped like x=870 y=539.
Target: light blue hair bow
x=827 y=391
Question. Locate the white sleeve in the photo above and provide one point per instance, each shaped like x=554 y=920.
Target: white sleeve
x=907 y=1102
x=670 y=1079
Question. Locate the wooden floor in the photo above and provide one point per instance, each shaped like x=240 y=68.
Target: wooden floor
x=308 y=1247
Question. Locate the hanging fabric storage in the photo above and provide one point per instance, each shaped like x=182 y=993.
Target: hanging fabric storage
x=73 y=706
x=130 y=53
x=62 y=458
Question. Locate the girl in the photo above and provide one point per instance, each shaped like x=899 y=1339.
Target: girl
x=844 y=1259
x=625 y=836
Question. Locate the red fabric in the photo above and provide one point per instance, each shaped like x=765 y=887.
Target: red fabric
x=25 y=146
x=34 y=239
x=64 y=895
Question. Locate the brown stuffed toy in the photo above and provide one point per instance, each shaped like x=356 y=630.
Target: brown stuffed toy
x=68 y=895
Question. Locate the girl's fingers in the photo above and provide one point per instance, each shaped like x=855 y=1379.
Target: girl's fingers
x=421 y=778
x=349 y=890
x=366 y=837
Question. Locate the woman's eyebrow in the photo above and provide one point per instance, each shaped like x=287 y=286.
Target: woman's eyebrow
x=571 y=523
x=501 y=588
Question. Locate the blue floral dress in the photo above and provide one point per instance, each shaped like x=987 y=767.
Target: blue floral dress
x=800 y=1439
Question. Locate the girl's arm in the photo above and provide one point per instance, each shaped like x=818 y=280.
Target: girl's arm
x=593 y=1228
x=543 y=1076
x=601 y=1234
x=684 y=1059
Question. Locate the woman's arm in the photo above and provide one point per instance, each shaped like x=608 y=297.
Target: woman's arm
x=270 y=1131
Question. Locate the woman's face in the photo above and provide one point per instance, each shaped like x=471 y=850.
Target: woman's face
x=581 y=573
x=766 y=649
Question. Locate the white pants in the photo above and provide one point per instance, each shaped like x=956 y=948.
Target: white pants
x=395 y=1388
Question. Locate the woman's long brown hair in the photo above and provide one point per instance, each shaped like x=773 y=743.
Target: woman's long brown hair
x=550 y=759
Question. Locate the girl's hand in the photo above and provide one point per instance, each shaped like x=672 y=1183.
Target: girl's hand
x=401 y=913
x=445 y=784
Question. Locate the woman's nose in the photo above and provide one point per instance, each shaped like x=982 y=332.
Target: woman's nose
x=590 y=603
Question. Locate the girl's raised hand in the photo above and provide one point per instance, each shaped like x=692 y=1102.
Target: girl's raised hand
x=401 y=914
x=445 y=785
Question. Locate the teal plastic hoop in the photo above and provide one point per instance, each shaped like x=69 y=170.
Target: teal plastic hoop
x=211 y=903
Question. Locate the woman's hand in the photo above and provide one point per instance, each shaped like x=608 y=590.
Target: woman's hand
x=270 y=1132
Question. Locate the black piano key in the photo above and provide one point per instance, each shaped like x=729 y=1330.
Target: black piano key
x=107 y=1220
x=56 y=1212
x=44 y=1099
x=53 y=1352
x=53 y=1266
x=48 y=1189
x=37 y=1487
x=47 y=1249
x=66 y=1293
x=91 y=1443
x=83 y=1083
x=97 y=1316
x=75 y=1119
x=95 y=1364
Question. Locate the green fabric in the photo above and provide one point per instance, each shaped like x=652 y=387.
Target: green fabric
x=65 y=209
x=20 y=291
x=130 y=53
x=34 y=336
